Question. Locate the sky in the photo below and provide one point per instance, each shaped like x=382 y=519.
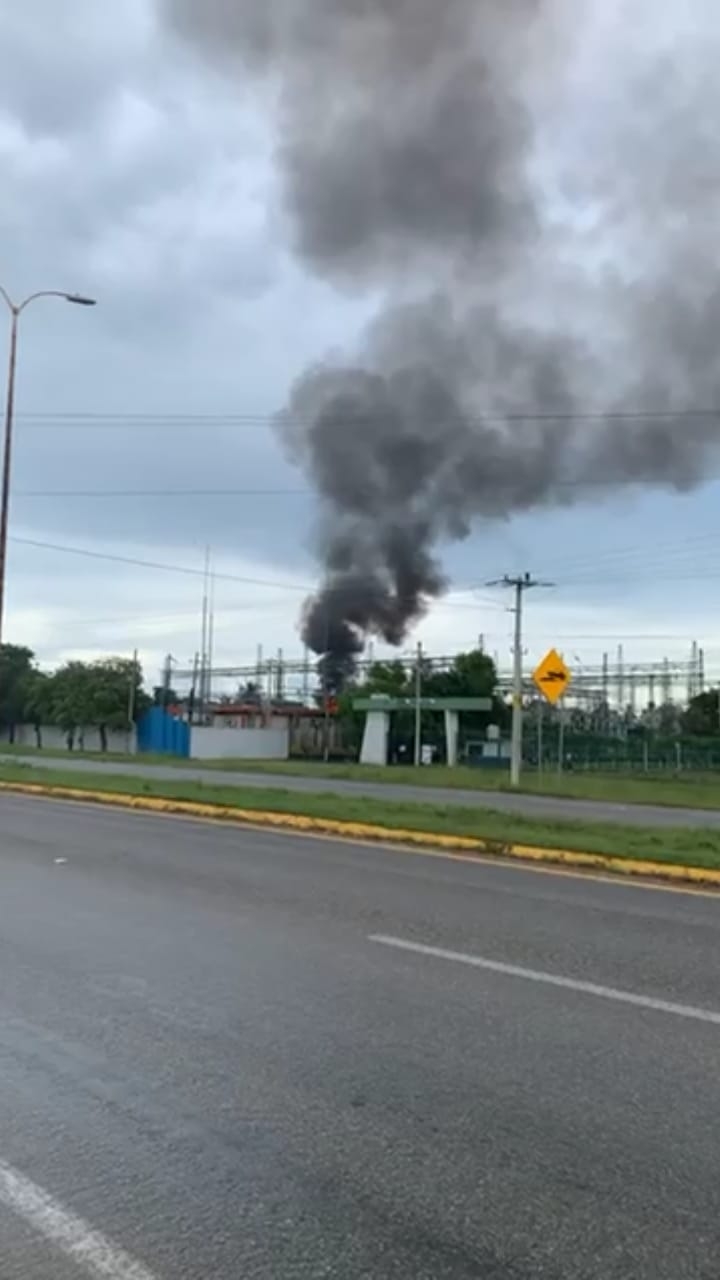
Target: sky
x=135 y=172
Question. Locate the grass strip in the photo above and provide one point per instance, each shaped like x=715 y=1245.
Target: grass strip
x=668 y=790
x=696 y=848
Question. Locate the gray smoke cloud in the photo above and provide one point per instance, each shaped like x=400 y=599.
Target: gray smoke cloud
x=410 y=136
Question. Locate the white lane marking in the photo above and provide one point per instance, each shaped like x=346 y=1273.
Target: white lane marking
x=552 y=979
x=73 y=1237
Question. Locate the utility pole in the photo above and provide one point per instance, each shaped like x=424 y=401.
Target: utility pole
x=561 y=737
x=16 y=309
x=418 y=707
x=210 y=641
x=326 y=693
x=132 y=690
x=167 y=680
x=192 y=700
x=205 y=629
x=306 y=676
x=520 y=584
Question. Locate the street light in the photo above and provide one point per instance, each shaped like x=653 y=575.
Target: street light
x=16 y=309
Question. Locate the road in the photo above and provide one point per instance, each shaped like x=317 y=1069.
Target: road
x=231 y=1054
x=635 y=815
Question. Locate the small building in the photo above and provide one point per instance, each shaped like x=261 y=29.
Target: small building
x=307 y=729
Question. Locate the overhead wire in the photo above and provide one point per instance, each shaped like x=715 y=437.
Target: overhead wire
x=139 y=563
x=264 y=419
x=596 y=571
x=164 y=567
x=163 y=493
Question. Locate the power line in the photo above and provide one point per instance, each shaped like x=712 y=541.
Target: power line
x=52 y=418
x=613 y=554
x=616 y=559
x=137 y=563
x=682 y=574
x=667 y=560
x=163 y=493
x=584 y=486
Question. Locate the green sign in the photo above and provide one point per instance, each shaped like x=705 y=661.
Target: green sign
x=382 y=703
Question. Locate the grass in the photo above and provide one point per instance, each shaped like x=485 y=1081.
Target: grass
x=686 y=790
x=701 y=791
x=700 y=848
x=109 y=757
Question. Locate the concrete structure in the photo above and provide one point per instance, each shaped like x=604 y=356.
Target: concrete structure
x=229 y=743
x=52 y=738
x=223 y=740
x=248 y=715
x=380 y=707
x=374 y=748
x=307 y=728
x=452 y=733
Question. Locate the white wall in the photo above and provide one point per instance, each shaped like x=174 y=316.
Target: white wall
x=54 y=739
x=240 y=744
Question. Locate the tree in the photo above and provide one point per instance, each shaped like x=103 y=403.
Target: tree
x=471 y=675
x=164 y=696
x=669 y=720
x=391 y=678
x=16 y=665
x=100 y=695
x=702 y=717
x=70 y=700
x=37 y=701
x=115 y=694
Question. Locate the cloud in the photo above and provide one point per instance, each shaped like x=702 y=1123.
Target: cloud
x=128 y=170
x=483 y=389
x=133 y=172
x=130 y=175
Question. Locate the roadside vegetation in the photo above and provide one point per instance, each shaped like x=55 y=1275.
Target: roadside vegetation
x=699 y=848
x=662 y=755
x=685 y=790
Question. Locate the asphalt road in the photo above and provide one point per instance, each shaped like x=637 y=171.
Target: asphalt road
x=231 y=1054
x=635 y=815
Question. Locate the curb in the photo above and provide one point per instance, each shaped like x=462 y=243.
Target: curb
x=466 y=847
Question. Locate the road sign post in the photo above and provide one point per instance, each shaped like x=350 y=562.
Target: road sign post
x=552 y=678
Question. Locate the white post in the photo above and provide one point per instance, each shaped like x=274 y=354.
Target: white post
x=452 y=724
x=517 y=708
x=418 y=708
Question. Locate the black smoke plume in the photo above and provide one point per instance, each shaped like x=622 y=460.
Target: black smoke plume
x=510 y=343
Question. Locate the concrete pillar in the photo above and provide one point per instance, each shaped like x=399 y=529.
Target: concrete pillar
x=375 y=738
x=452 y=728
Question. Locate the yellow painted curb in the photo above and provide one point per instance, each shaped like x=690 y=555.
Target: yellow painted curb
x=458 y=846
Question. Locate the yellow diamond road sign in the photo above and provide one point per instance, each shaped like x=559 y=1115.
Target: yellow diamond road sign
x=552 y=677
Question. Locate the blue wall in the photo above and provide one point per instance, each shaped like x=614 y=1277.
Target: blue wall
x=162 y=734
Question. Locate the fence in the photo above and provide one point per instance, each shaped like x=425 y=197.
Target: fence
x=635 y=753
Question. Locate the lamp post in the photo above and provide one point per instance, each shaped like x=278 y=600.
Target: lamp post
x=16 y=309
